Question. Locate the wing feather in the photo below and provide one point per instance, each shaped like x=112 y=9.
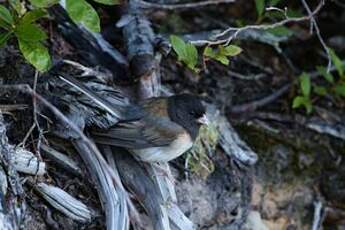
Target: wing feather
x=149 y=131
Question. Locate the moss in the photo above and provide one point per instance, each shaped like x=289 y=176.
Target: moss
x=197 y=159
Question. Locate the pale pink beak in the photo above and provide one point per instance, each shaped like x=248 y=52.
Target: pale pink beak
x=203 y=120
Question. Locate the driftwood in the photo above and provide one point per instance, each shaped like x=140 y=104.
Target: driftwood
x=12 y=204
x=6 y=219
x=26 y=162
x=137 y=180
x=64 y=202
x=139 y=38
x=105 y=185
x=229 y=140
x=61 y=159
x=93 y=48
x=233 y=145
x=122 y=218
x=165 y=186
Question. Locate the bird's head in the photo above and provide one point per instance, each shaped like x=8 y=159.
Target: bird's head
x=188 y=111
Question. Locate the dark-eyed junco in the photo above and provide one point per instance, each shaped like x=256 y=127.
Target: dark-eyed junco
x=153 y=130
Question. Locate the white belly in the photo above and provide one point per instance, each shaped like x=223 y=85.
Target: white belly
x=165 y=153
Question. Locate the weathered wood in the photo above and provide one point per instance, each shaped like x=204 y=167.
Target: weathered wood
x=229 y=140
x=61 y=159
x=139 y=38
x=93 y=48
x=12 y=207
x=103 y=182
x=233 y=145
x=64 y=202
x=136 y=178
x=122 y=213
x=5 y=219
x=26 y=162
x=165 y=188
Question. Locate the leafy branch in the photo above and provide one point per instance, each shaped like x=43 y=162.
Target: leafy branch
x=17 y=21
x=188 y=53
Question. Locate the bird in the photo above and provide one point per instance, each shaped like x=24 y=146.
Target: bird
x=157 y=129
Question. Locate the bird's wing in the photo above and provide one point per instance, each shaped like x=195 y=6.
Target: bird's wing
x=152 y=130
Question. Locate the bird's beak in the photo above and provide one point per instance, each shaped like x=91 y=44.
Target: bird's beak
x=203 y=120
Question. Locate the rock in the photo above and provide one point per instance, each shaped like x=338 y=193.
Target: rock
x=222 y=201
x=279 y=224
x=254 y=221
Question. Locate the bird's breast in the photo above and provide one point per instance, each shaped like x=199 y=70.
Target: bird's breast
x=165 y=153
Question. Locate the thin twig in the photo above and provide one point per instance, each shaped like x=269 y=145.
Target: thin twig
x=317 y=30
x=251 y=77
x=317 y=215
x=8 y=108
x=217 y=39
x=151 y=5
x=253 y=105
x=27 y=135
x=40 y=131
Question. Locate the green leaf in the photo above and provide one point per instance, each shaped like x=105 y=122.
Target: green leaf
x=308 y=106
x=192 y=56
x=18 y=6
x=339 y=89
x=222 y=53
x=4 y=37
x=30 y=32
x=208 y=52
x=179 y=46
x=43 y=3
x=337 y=62
x=108 y=2
x=223 y=59
x=320 y=90
x=323 y=71
x=33 y=16
x=5 y=15
x=260 y=6
x=217 y=55
x=186 y=52
x=232 y=50
x=36 y=54
x=297 y=102
x=4 y=25
x=281 y=31
x=82 y=12
x=300 y=101
x=305 y=84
